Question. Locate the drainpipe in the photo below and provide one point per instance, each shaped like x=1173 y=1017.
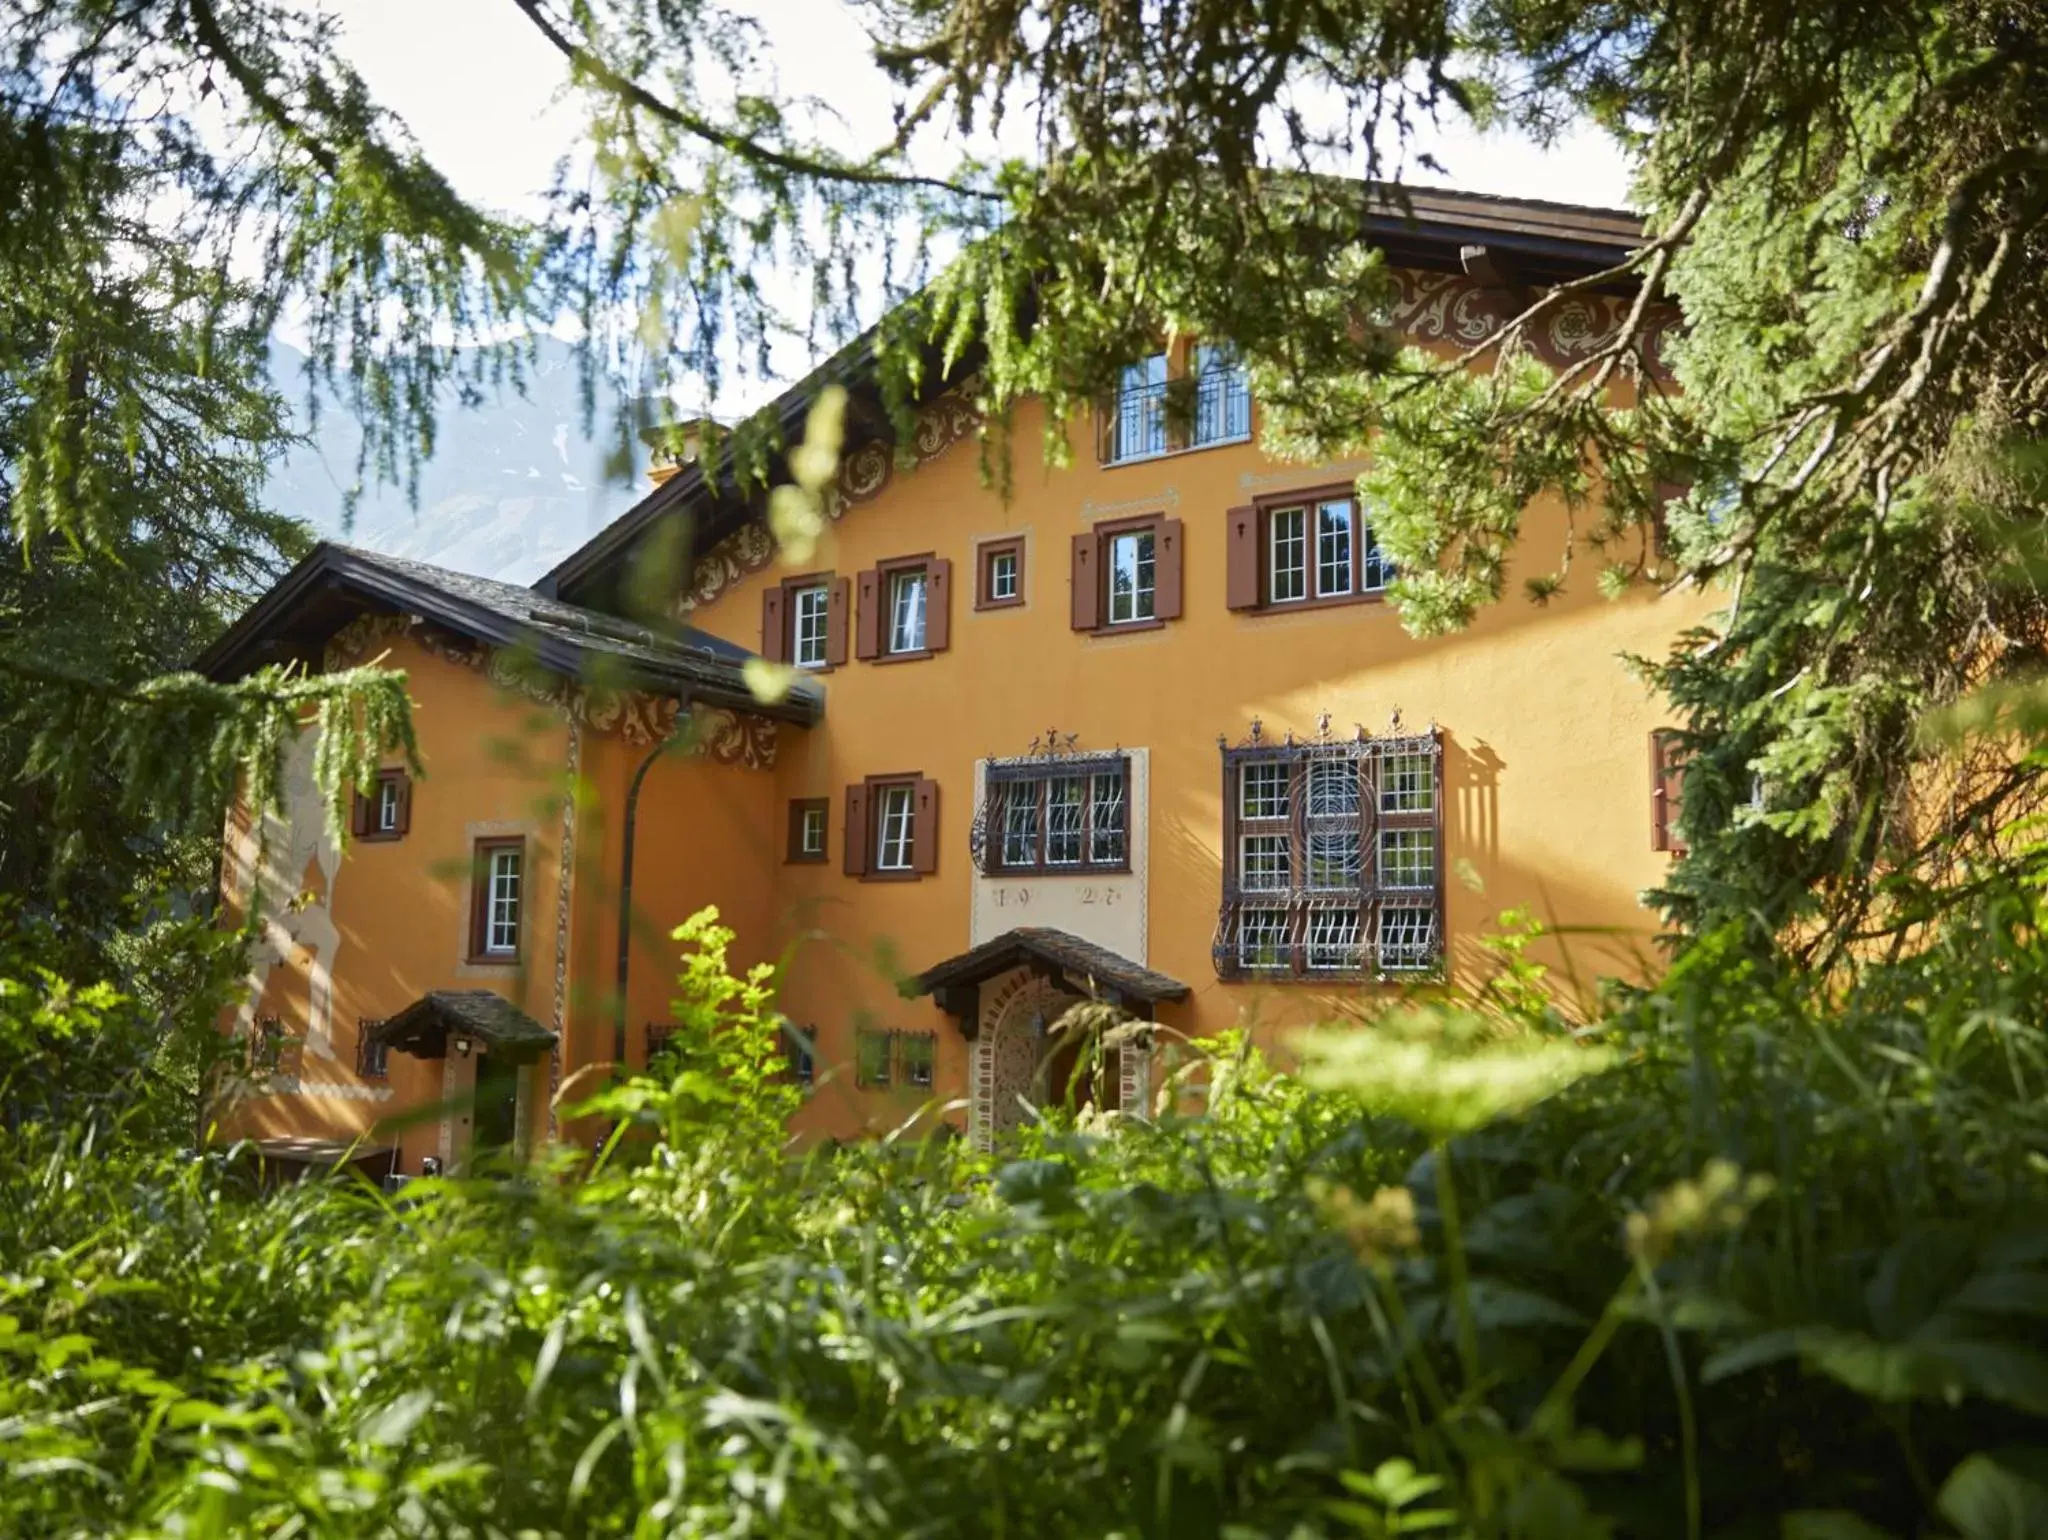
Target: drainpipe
x=626 y=886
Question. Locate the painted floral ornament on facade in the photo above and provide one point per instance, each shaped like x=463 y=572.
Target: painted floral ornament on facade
x=1446 y=308
x=863 y=475
x=718 y=733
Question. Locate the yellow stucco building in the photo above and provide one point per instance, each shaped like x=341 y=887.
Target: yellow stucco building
x=1144 y=730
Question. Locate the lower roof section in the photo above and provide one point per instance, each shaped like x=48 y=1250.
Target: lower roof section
x=335 y=583
x=1081 y=966
x=427 y=1027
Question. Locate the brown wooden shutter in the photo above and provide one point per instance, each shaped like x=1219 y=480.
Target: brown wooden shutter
x=1667 y=791
x=868 y=617
x=404 y=803
x=1087 y=584
x=837 y=621
x=856 y=831
x=774 y=625
x=1241 y=583
x=792 y=849
x=1166 y=571
x=924 y=828
x=359 y=815
x=938 y=604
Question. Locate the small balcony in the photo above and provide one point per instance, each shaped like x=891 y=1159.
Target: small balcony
x=1167 y=416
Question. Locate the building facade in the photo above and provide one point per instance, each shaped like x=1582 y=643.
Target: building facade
x=1142 y=730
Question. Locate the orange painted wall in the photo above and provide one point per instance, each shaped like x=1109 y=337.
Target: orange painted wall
x=493 y=764
x=1547 y=787
x=1546 y=775
x=703 y=836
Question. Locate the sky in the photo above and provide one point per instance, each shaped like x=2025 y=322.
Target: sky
x=480 y=89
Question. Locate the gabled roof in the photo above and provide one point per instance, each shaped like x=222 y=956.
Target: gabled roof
x=424 y=1027
x=336 y=582
x=1537 y=242
x=1084 y=967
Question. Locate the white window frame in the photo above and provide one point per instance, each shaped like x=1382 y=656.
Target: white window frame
x=1140 y=409
x=387 y=805
x=810 y=625
x=1287 y=564
x=909 y=629
x=895 y=829
x=1142 y=598
x=1002 y=576
x=810 y=831
x=1223 y=400
x=504 y=879
x=1326 y=562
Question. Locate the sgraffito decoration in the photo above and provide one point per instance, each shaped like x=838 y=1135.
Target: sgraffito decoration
x=941 y=423
x=1439 y=307
x=642 y=718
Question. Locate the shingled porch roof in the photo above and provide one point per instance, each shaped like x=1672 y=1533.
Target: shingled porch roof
x=423 y=1028
x=1077 y=965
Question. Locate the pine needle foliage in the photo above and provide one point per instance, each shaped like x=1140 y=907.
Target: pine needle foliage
x=1748 y=1254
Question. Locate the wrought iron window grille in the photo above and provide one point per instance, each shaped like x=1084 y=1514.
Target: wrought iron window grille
x=1333 y=856
x=1054 y=810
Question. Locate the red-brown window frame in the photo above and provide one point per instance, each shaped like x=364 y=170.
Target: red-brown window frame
x=1042 y=777
x=480 y=897
x=862 y=839
x=985 y=556
x=363 y=813
x=796 y=855
x=1091 y=549
x=1254 y=522
x=1667 y=790
x=874 y=606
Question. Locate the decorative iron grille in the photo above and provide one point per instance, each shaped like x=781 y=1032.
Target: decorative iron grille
x=1053 y=811
x=373 y=1060
x=1333 y=856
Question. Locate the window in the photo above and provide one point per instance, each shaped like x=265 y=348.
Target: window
x=1667 y=791
x=1303 y=549
x=999 y=566
x=812 y=605
x=903 y=609
x=1132 y=577
x=873 y=1058
x=1127 y=574
x=384 y=812
x=1223 y=398
x=497 y=900
x=883 y=1059
x=1185 y=399
x=1137 y=426
x=906 y=611
x=892 y=827
x=1072 y=815
x=798 y=1048
x=807 y=829
x=916 y=1058
x=804 y=620
x=1332 y=857
x=373 y=1060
